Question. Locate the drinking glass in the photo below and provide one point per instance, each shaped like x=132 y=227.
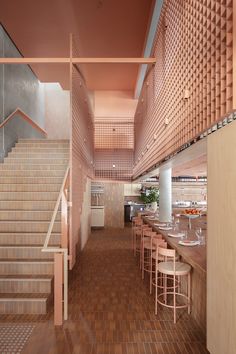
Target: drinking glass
x=200 y=236
x=198 y=232
x=177 y=224
x=185 y=235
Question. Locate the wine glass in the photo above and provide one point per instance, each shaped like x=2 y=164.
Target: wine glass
x=200 y=236
x=177 y=223
x=185 y=235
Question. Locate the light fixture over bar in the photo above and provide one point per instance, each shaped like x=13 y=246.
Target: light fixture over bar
x=77 y=61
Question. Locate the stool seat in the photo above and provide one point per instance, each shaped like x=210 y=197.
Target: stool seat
x=168 y=268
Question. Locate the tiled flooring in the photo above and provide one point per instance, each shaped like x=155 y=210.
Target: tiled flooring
x=110 y=309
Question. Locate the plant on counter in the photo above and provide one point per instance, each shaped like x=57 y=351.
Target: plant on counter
x=150 y=195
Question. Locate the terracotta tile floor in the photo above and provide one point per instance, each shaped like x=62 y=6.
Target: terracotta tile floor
x=110 y=309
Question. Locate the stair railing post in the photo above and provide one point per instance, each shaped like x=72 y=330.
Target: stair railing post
x=58 y=281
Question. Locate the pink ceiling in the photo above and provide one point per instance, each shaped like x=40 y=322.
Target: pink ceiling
x=104 y=28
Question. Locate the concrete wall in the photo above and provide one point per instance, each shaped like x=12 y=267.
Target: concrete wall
x=57 y=111
x=19 y=87
x=85 y=226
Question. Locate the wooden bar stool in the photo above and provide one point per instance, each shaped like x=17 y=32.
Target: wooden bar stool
x=154 y=263
x=144 y=229
x=137 y=235
x=135 y=222
x=176 y=270
x=147 y=247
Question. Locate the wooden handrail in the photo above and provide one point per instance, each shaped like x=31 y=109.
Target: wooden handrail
x=19 y=112
x=56 y=208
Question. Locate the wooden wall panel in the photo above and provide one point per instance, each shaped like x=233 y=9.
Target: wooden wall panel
x=81 y=148
x=190 y=87
x=234 y=54
x=114 y=164
x=114 y=134
x=114 y=204
x=221 y=242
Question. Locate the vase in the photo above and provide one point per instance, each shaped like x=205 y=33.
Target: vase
x=154 y=206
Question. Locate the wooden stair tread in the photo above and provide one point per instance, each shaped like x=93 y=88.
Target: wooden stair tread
x=29 y=233
x=30 y=221
x=24 y=297
x=23 y=260
x=26 y=277
x=30 y=180
x=27 y=246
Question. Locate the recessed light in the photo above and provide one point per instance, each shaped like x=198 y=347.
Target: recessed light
x=113 y=165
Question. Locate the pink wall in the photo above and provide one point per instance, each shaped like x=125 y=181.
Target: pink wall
x=57 y=111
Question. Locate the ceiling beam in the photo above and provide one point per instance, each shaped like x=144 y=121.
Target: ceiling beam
x=77 y=60
x=148 y=47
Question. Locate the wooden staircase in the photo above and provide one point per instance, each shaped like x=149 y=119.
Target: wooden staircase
x=30 y=180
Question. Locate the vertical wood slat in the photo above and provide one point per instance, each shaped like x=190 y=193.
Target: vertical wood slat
x=81 y=147
x=234 y=54
x=221 y=246
x=58 y=286
x=193 y=50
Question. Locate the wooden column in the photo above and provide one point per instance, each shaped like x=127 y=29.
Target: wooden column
x=234 y=54
x=165 y=200
x=221 y=241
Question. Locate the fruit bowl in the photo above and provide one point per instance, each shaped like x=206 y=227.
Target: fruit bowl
x=192 y=212
x=192 y=216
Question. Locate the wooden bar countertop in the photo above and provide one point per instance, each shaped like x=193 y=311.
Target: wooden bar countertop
x=195 y=255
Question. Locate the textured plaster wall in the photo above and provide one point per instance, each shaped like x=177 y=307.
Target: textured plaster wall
x=19 y=87
x=57 y=111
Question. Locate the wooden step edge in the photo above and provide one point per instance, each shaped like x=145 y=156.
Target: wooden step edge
x=27 y=277
x=33 y=260
x=26 y=246
x=24 y=297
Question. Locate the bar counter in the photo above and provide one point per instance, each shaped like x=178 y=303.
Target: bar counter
x=196 y=257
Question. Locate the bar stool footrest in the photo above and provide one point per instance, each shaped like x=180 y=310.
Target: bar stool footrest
x=172 y=306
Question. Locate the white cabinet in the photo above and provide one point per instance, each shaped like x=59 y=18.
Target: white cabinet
x=132 y=189
x=97 y=216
